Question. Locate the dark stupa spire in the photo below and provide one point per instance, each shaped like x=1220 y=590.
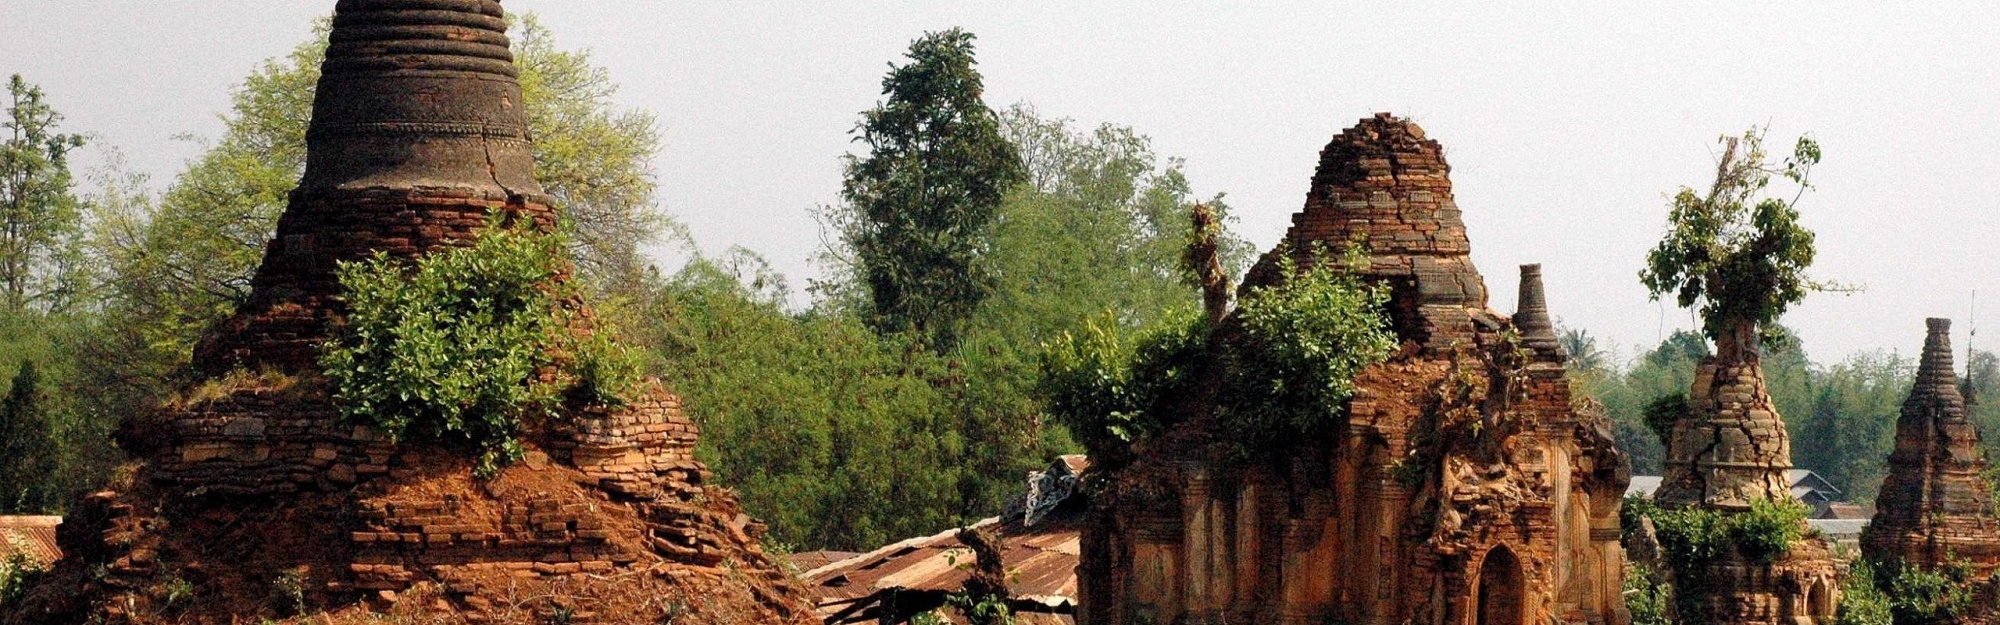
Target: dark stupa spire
x=1531 y=316
x=418 y=134
x=419 y=93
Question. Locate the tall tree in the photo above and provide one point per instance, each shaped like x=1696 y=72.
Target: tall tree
x=920 y=206
x=1734 y=252
x=39 y=216
x=28 y=451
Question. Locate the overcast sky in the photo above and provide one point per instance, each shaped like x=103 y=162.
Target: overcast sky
x=1566 y=123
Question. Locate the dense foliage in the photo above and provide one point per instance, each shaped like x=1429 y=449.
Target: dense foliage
x=1922 y=595
x=453 y=347
x=1286 y=372
x=1740 y=257
x=39 y=215
x=28 y=449
x=920 y=206
x=1862 y=601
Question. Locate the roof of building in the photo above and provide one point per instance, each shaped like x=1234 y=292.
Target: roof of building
x=30 y=536
x=1040 y=559
x=1804 y=482
x=1838 y=528
x=1643 y=486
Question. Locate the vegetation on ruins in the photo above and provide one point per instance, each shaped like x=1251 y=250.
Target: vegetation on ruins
x=1862 y=602
x=1737 y=254
x=455 y=347
x=1298 y=345
x=917 y=222
x=1648 y=596
x=1919 y=595
x=39 y=215
x=840 y=437
x=1693 y=537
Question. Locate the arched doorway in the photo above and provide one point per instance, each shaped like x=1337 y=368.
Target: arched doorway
x=1819 y=600
x=1500 y=590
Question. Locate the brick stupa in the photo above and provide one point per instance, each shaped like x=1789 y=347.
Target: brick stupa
x=1463 y=484
x=256 y=501
x=1730 y=451
x=1935 y=507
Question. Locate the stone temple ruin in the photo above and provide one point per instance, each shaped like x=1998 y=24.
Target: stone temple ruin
x=1468 y=485
x=254 y=489
x=1732 y=449
x=1936 y=509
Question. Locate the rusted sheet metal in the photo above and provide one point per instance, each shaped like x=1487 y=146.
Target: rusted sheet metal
x=30 y=536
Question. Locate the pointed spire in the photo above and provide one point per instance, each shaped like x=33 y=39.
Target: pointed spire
x=1531 y=316
x=419 y=94
x=1937 y=382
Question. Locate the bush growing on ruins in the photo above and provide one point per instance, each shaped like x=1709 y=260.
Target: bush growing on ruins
x=1304 y=339
x=1739 y=257
x=1694 y=536
x=1924 y=595
x=453 y=347
x=1647 y=598
x=1862 y=601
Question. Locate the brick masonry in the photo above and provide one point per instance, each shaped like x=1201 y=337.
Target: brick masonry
x=1467 y=486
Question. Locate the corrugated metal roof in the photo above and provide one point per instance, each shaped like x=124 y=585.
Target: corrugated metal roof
x=32 y=536
x=1040 y=559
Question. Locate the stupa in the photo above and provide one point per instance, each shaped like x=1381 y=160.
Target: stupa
x=256 y=500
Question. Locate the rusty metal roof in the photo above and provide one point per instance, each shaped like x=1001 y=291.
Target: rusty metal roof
x=1040 y=560
x=30 y=536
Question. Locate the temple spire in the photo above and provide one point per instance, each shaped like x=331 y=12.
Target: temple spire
x=1935 y=506
x=1531 y=316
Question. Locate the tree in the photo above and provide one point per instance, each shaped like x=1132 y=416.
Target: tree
x=28 y=450
x=920 y=206
x=1739 y=255
x=187 y=262
x=39 y=218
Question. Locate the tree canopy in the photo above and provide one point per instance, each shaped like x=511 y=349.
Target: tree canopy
x=39 y=216
x=920 y=206
x=1736 y=253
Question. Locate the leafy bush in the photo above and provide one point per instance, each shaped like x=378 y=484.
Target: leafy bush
x=1305 y=339
x=1647 y=598
x=1862 y=601
x=1108 y=387
x=1924 y=595
x=455 y=346
x=1662 y=413
x=1691 y=537
x=18 y=573
x=1302 y=341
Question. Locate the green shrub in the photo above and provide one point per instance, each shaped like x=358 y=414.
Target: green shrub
x=1692 y=537
x=1305 y=338
x=455 y=346
x=1647 y=598
x=1288 y=374
x=1925 y=595
x=1862 y=601
x=1108 y=385
x=18 y=573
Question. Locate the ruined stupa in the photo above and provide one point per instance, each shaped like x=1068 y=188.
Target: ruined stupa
x=1467 y=486
x=255 y=500
x=1935 y=507
x=1732 y=450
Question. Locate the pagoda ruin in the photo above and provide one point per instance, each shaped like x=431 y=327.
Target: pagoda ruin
x=1936 y=508
x=255 y=500
x=1467 y=485
x=1730 y=451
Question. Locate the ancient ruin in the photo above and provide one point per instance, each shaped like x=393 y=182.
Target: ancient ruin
x=1468 y=486
x=1732 y=450
x=256 y=500
x=1936 y=509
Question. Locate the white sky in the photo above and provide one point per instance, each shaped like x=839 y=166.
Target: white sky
x=1566 y=122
